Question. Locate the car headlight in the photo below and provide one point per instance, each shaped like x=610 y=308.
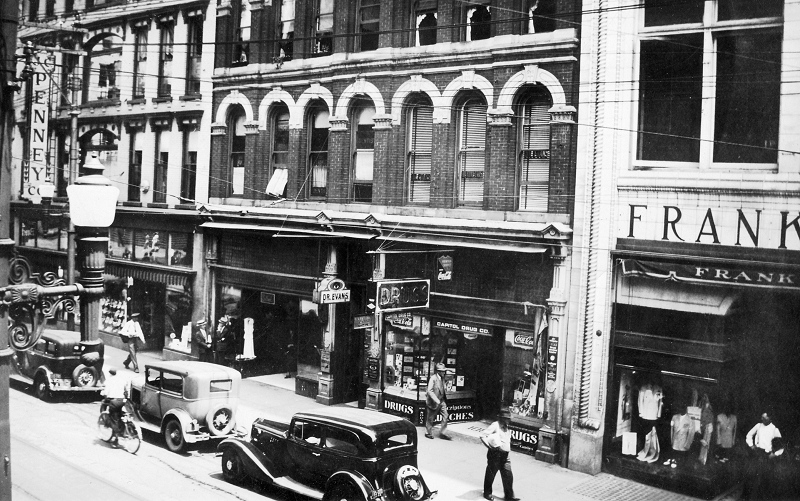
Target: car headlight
x=409 y=483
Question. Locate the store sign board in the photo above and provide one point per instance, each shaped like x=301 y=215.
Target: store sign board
x=397 y=295
x=463 y=327
x=524 y=439
x=398 y=407
x=552 y=364
x=400 y=319
x=331 y=291
x=725 y=222
x=37 y=170
x=373 y=368
x=757 y=275
x=363 y=321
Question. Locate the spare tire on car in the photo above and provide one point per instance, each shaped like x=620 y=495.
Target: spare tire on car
x=84 y=377
x=220 y=420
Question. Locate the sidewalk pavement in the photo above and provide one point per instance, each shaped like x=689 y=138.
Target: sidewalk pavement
x=454 y=468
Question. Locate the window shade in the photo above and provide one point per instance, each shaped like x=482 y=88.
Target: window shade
x=419 y=154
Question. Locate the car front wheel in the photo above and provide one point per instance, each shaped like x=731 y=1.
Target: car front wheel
x=173 y=436
x=232 y=469
x=41 y=388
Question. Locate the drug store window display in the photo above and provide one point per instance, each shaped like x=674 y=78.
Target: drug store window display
x=412 y=349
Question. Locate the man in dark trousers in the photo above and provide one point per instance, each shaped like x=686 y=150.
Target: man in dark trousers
x=497 y=438
x=132 y=334
x=436 y=402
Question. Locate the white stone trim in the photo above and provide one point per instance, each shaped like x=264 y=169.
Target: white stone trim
x=274 y=96
x=468 y=80
x=357 y=88
x=532 y=74
x=235 y=97
x=417 y=83
x=315 y=91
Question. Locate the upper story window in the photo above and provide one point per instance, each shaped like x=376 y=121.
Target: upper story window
x=471 y=151
x=369 y=17
x=194 y=53
x=161 y=167
x=279 y=157
x=419 y=124
x=479 y=23
x=50 y=8
x=533 y=157
x=363 y=136
x=134 y=169
x=33 y=10
x=165 y=55
x=541 y=16
x=287 y=30
x=241 y=52
x=323 y=31
x=236 y=132
x=139 y=61
x=101 y=68
x=425 y=18
x=709 y=84
x=191 y=140
x=319 y=131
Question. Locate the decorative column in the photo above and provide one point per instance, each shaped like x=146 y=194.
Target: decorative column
x=338 y=161
x=374 y=346
x=549 y=435
x=501 y=165
x=328 y=364
x=382 y=166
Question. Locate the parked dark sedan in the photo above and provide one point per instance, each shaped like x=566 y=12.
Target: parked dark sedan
x=331 y=454
x=59 y=362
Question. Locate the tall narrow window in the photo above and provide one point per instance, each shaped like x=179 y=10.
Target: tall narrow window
x=323 y=35
x=479 y=23
x=242 y=47
x=237 y=135
x=189 y=170
x=363 y=151
x=139 y=61
x=425 y=32
x=369 y=19
x=534 y=152
x=50 y=8
x=541 y=16
x=194 y=54
x=418 y=161
x=471 y=152
x=165 y=59
x=33 y=10
x=280 y=153
x=287 y=30
x=320 y=127
x=134 y=171
x=161 y=168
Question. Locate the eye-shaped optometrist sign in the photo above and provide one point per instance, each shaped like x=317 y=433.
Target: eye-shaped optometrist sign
x=330 y=291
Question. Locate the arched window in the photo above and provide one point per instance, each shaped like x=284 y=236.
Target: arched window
x=426 y=28
x=479 y=23
x=533 y=150
x=279 y=158
x=363 y=137
x=318 y=134
x=236 y=132
x=471 y=151
x=419 y=127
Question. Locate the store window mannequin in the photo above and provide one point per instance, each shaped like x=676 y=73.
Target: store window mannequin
x=726 y=433
x=706 y=428
x=681 y=436
x=651 y=403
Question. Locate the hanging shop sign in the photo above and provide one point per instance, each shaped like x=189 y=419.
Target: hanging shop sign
x=400 y=319
x=373 y=368
x=552 y=364
x=468 y=329
x=445 y=268
x=331 y=291
x=397 y=295
x=37 y=171
x=363 y=321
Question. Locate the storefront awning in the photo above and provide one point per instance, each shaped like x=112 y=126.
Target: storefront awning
x=498 y=245
x=671 y=294
x=282 y=231
x=149 y=273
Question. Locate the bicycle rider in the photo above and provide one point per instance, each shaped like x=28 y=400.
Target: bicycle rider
x=116 y=391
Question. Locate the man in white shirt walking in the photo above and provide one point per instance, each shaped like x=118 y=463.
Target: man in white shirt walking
x=761 y=435
x=759 y=439
x=497 y=438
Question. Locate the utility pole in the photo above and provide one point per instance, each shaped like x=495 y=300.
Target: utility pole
x=9 y=20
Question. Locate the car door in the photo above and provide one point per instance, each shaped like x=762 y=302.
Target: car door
x=342 y=450
x=304 y=448
x=171 y=395
x=149 y=405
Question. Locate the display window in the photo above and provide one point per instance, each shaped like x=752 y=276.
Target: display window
x=523 y=376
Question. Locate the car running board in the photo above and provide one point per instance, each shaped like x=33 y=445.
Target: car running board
x=295 y=486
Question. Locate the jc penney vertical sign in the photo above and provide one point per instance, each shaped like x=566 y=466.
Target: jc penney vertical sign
x=38 y=170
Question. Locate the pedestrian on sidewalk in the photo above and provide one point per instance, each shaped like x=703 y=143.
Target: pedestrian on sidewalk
x=132 y=334
x=436 y=402
x=497 y=439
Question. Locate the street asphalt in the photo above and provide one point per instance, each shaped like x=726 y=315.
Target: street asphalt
x=455 y=468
